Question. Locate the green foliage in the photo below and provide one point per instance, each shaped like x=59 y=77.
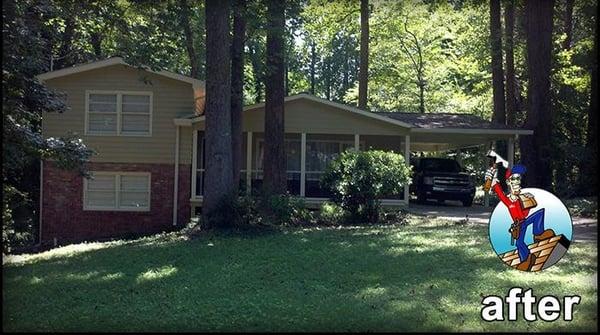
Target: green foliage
x=358 y=179
x=331 y=213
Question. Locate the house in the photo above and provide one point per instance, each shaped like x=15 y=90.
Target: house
x=148 y=130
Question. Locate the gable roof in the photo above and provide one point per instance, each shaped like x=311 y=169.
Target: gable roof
x=416 y=122
x=116 y=61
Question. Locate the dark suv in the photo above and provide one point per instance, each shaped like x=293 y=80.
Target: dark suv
x=441 y=179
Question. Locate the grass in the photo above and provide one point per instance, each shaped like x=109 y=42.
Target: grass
x=427 y=276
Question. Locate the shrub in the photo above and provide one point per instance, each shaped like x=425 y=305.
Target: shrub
x=331 y=213
x=288 y=210
x=358 y=179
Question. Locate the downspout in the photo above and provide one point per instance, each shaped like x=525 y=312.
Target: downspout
x=176 y=178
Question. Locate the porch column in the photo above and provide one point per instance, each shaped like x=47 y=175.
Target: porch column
x=486 y=195
x=407 y=162
x=510 y=152
x=303 y=165
x=249 y=162
x=357 y=142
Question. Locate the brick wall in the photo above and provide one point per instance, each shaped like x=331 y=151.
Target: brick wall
x=63 y=216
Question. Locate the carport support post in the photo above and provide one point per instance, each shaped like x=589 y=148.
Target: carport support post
x=303 y=165
x=407 y=162
x=357 y=142
x=249 y=163
x=510 y=152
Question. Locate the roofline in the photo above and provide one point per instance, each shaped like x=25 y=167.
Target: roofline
x=116 y=61
x=473 y=131
x=336 y=105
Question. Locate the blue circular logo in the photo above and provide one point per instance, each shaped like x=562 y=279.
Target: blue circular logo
x=531 y=231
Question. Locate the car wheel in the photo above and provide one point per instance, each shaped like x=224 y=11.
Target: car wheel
x=421 y=198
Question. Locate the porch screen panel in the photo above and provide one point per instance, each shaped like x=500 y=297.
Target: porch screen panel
x=293 y=157
x=320 y=151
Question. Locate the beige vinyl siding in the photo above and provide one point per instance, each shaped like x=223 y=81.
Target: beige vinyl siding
x=307 y=116
x=171 y=99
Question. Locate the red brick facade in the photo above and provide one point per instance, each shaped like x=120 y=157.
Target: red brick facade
x=63 y=216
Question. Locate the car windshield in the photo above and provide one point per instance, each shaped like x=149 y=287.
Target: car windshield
x=440 y=165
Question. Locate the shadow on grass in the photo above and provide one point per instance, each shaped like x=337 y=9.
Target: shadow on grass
x=361 y=279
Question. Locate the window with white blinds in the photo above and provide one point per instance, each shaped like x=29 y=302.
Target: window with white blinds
x=119 y=113
x=125 y=191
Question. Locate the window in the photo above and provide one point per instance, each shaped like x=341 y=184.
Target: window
x=125 y=191
x=119 y=113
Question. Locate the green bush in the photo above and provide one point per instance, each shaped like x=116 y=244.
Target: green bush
x=288 y=210
x=331 y=214
x=359 y=179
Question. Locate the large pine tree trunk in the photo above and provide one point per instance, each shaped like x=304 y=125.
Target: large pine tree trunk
x=568 y=24
x=511 y=96
x=363 y=74
x=189 y=38
x=498 y=115
x=274 y=176
x=591 y=167
x=535 y=149
x=313 y=63
x=237 y=86
x=219 y=175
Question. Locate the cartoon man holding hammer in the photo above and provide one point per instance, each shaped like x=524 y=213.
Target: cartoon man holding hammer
x=519 y=206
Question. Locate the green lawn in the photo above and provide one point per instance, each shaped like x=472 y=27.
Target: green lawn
x=423 y=276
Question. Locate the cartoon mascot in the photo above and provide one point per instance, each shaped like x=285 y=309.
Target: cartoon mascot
x=519 y=205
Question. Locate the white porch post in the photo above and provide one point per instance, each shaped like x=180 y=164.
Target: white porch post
x=407 y=162
x=176 y=178
x=511 y=151
x=303 y=165
x=249 y=163
x=357 y=142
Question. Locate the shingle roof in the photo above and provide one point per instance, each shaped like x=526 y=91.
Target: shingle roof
x=547 y=252
x=443 y=120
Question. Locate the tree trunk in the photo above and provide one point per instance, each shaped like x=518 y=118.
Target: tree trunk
x=511 y=96
x=327 y=75
x=256 y=71
x=363 y=74
x=237 y=87
x=536 y=149
x=189 y=38
x=96 y=41
x=274 y=174
x=313 y=61
x=498 y=115
x=421 y=96
x=219 y=175
x=568 y=24
x=591 y=167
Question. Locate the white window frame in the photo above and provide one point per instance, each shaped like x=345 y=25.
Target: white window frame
x=117 y=175
x=119 y=113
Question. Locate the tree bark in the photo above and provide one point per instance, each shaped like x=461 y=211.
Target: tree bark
x=237 y=86
x=499 y=115
x=591 y=167
x=568 y=24
x=96 y=41
x=536 y=148
x=256 y=71
x=189 y=38
x=219 y=175
x=313 y=61
x=363 y=74
x=274 y=174
x=511 y=96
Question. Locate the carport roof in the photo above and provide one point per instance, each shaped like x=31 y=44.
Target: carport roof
x=443 y=120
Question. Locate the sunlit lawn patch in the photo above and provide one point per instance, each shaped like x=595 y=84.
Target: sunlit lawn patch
x=428 y=275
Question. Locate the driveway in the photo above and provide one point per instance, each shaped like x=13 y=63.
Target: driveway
x=585 y=229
